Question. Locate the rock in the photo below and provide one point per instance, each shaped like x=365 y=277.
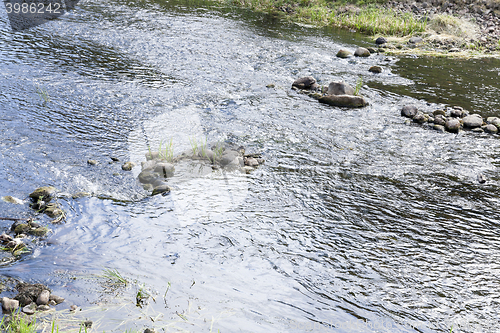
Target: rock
x=362 y=52
x=39 y=232
x=248 y=169
x=92 y=162
x=115 y=159
x=371 y=50
x=87 y=323
x=490 y=128
x=15 y=244
x=439 y=120
x=439 y=113
x=415 y=40
x=53 y=210
x=52 y=303
x=494 y=121
x=43 y=298
x=376 y=69
x=81 y=195
x=252 y=162
x=148 y=176
x=430 y=119
x=44 y=193
x=261 y=160
x=152 y=155
x=210 y=155
x=304 y=82
x=473 y=121
x=477 y=130
x=481 y=178
x=9 y=305
x=21 y=228
x=43 y=307
x=73 y=308
x=164 y=188
x=149 y=330
x=12 y=200
x=28 y=293
x=4 y=238
x=380 y=40
x=165 y=169
x=128 y=166
x=270 y=85
x=456 y=113
x=420 y=117
x=339 y=88
x=30 y=309
x=438 y=128
x=452 y=125
x=409 y=111
x=56 y=299
x=316 y=95
x=228 y=157
x=344 y=54
x=344 y=100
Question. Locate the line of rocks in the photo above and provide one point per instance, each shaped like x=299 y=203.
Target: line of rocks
x=31 y=298
x=452 y=120
x=336 y=94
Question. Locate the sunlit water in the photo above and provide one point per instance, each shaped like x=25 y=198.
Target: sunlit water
x=356 y=223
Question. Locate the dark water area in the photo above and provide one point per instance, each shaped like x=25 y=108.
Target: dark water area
x=357 y=222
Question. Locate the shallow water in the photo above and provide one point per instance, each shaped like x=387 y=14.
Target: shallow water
x=356 y=223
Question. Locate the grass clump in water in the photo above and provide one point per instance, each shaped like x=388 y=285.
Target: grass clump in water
x=18 y=323
x=114 y=277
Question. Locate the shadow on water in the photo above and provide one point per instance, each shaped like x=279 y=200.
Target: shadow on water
x=357 y=222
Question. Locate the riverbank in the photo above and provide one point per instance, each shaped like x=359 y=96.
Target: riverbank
x=447 y=28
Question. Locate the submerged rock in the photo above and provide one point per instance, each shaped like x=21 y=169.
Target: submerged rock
x=409 y=111
x=92 y=162
x=339 y=88
x=12 y=200
x=44 y=193
x=53 y=210
x=81 y=195
x=128 y=166
x=306 y=82
x=344 y=54
x=344 y=101
x=376 y=69
x=164 y=188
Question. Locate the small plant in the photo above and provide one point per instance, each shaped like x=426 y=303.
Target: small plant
x=169 y=151
x=42 y=92
x=114 y=277
x=358 y=86
x=18 y=324
x=218 y=150
x=194 y=145
x=54 y=328
x=141 y=296
x=203 y=148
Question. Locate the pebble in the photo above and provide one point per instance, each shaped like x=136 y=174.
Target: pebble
x=43 y=307
x=30 y=309
x=481 y=178
x=43 y=298
x=376 y=69
x=73 y=308
x=128 y=166
x=56 y=299
x=92 y=162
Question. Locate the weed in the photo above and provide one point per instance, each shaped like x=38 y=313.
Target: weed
x=203 y=148
x=194 y=145
x=218 y=150
x=141 y=296
x=54 y=327
x=169 y=151
x=18 y=324
x=358 y=86
x=42 y=92
x=114 y=277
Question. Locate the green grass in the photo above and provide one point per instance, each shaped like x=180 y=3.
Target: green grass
x=42 y=92
x=358 y=86
x=114 y=277
x=18 y=324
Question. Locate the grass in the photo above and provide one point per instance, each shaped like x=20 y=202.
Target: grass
x=18 y=324
x=167 y=153
x=114 y=277
x=358 y=86
x=219 y=150
x=141 y=296
x=42 y=92
x=198 y=147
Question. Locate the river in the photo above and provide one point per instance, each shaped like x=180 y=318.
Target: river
x=357 y=222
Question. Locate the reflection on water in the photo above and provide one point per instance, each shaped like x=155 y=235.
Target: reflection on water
x=357 y=222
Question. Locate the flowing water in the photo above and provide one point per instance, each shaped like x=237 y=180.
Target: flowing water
x=357 y=222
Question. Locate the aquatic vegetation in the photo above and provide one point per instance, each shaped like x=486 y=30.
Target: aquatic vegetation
x=358 y=86
x=114 y=277
x=42 y=92
x=141 y=296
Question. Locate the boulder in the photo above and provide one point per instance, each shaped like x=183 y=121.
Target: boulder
x=43 y=298
x=362 y=52
x=380 y=40
x=165 y=169
x=148 y=176
x=44 y=193
x=473 y=121
x=376 y=69
x=452 y=125
x=415 y=40
x=53 y=210
x=490 y=128
x=409 y=111
x=439 y=113
x=128 y=166
x=344 y=54
x=439 y=120
x=9 y=305
x=306 y=82
x=164 y=188
x=494 y=121
x=457 y=113
x=152 y=155
x=420 y=117
x=339 y=88
x=228 y=157
x=56 y=299
x=344 y=100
